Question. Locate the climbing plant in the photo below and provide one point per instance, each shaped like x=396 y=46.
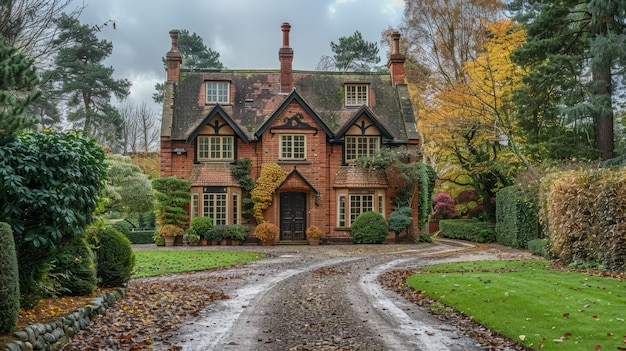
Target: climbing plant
x=270 y=178
x=241 y=171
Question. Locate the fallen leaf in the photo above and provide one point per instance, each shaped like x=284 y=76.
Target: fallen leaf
x=598 y=347
x=522 y=337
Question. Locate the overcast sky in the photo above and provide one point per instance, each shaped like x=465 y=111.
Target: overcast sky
x=246 y=33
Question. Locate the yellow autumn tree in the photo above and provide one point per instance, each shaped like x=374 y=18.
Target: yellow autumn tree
x=470 y=124
x=272 y=175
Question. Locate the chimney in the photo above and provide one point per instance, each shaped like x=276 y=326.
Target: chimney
x=285 y=55
x=396 y=61
x=174 y=58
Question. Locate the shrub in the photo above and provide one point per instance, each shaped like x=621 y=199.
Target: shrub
x=233 y=232
x=74 y=268
x=444 y=207
x=170 y=230
x=141 y=237
x=266 y=232
x=369 y=228
x=202 y=226
x=516 y=219
x=50 y=186
x=191 y=236
x=468 y=229
x=9 y=280
x=539 y=247
x=314 y=232
x=468 y=204
x=115 y=257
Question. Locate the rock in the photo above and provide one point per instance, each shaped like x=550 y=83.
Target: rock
x=21 y=335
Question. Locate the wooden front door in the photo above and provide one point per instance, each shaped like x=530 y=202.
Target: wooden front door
x=292 y=216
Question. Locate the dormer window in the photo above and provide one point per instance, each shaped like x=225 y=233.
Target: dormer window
x=215 y=148
x=361 y=146
x=356 y=94
x=217 y=92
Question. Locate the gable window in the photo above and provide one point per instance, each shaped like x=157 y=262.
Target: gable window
x=217 y=92
x=356 y=147
x=292 y=147
x=356 y=94
x=215 y=148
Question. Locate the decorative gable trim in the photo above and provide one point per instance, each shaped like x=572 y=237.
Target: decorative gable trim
x=364 y=111
x=218 y=111
x=294 y=96
x=295 y=173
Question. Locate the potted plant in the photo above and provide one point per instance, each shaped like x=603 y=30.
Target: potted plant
x=237 y=234
x=202 y=226
x=192 y=237
x=313 y=235
x=169 y=232
x=267 y=233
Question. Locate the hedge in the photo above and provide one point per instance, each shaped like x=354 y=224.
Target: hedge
x=539 y=247
x=9 y=280
x=587 y=217
x=468 y=229
x=516 y=219
x=141 y=237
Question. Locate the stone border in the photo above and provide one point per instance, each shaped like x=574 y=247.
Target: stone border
x=53 y=335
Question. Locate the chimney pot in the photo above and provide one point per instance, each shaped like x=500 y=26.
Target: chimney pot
x=396 y=61
x=174 y=58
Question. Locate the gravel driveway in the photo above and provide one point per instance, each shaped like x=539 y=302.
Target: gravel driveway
x=323 y=298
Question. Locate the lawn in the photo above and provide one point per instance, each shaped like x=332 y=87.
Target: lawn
x=151 y=263
x=544 y=309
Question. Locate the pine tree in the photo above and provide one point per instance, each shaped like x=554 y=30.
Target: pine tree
x=17 y=81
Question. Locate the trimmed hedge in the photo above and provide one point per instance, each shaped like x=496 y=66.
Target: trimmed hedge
x=586 y=217
x=468 y=229
x=141 y=237
x=115 y=257
x=9 y=280
x=516 y=219
x=539 y=247
x=369 y=228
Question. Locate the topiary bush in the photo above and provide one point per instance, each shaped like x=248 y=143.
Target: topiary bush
x=141 y=237
x=122 y=227
x=369 y=228
x=9 y=280
x=74 y=268
x=114 y=257
x=399 y=220
x=267 y=232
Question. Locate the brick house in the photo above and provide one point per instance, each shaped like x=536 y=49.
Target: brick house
x=313 y=124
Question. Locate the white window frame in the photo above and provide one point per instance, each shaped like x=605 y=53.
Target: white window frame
x=356 y=94
x=215 y=148
x=289 y=151
x=217 y=92
x=359 y=146
x=350 y=204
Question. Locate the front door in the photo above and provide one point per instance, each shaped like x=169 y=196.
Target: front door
x=292 y=216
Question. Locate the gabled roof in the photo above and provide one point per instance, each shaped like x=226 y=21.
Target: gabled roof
x=255 y=100
x=295 y=173
x=218 y=110
x=364 y=111
x=294 y=96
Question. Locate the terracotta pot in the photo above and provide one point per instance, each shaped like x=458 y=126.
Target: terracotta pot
x=235 y=242
x=169 y=240
x=314 y=241
x=204 y=242
x=267 y=243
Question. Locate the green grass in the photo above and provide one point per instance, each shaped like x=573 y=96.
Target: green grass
x=151 y=263
x=548 y=309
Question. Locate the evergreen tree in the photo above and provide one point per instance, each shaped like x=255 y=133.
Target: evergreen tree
x=17 y=81
x=196 y=55
x=574 y=48
x=88 y=84
x=351 y=54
